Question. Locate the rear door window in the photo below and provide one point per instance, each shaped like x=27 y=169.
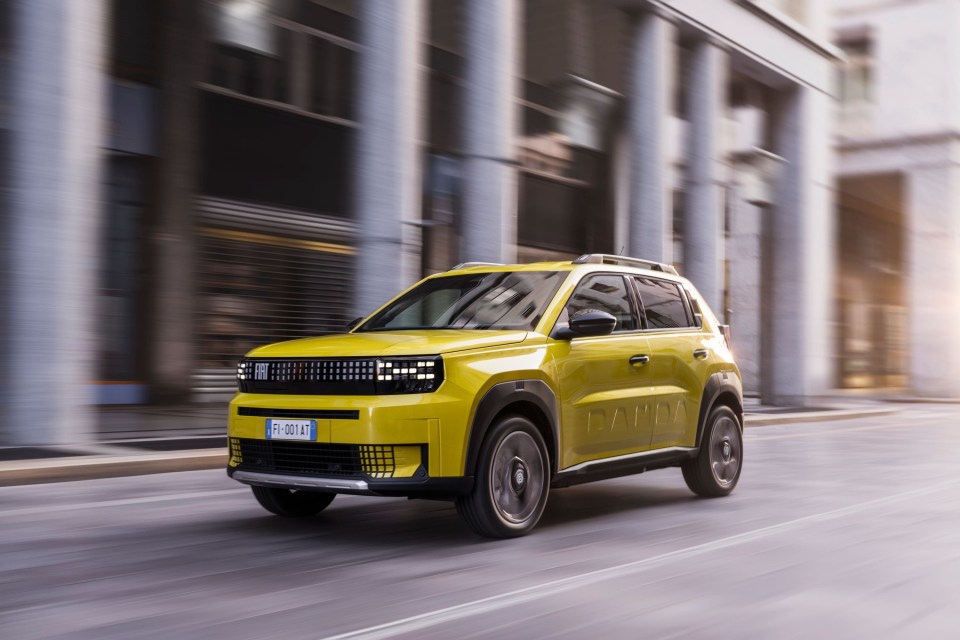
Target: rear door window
x=663 y=304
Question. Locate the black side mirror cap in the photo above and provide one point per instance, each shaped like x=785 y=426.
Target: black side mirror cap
x=589 y=322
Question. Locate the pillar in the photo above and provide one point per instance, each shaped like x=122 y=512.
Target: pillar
x=491 y=56
x=387 y=184
x=745 y=287
x=802 y=247
x=932 y=263
x=57 y=123
x=703 y=232
x=652 y=69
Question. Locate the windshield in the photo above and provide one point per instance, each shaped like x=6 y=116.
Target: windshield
x=497 y=300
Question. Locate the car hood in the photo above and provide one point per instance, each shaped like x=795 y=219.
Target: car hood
x=388 y=343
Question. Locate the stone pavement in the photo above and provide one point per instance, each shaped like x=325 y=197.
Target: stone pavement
x=143 y=440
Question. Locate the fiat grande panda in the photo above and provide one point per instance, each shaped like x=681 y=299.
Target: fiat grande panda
x=491 y=385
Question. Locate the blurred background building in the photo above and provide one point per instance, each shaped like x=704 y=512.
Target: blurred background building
x=898 y=140
x=183 y=179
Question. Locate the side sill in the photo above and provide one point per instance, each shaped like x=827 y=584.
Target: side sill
x=627 y=465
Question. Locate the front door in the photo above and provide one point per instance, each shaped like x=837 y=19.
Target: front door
x=606 y=400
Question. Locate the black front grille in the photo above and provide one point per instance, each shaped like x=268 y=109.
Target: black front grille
x=313 y=458
x=341 y=376
x=300 y=458
x=327 y=376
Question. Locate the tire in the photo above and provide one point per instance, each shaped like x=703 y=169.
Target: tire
x=512 y=483
x=716 y=469
x=292 y=504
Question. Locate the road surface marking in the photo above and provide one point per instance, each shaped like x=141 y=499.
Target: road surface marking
x=545 y=589
x=57 y=508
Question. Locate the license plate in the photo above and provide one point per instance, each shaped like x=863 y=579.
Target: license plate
x=291 y=430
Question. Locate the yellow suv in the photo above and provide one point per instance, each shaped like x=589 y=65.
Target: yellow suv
x=490 y=385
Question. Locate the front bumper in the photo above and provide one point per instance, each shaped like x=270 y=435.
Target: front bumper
x=421 y=487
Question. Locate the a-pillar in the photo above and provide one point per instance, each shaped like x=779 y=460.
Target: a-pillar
x=387 y=185
x=652 y=71
x=57 y=122
x=703 y=232
x=491 y=55
x=800 y=366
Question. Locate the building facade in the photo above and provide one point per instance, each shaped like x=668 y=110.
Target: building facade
x=898 y=140
x=190 y=179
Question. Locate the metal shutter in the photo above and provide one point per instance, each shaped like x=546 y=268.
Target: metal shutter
x=265 y=275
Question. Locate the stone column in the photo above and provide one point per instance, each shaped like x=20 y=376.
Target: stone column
x=387 y=185
x=745 y=287
x=703 y=233
x=491 y=56
x=652 y=74
x=57 y=125
x=802 y=246
x=932 y=263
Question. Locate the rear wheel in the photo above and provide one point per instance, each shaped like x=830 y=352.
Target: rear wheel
x=716 y=469
x=292 y=504
x=513 y=480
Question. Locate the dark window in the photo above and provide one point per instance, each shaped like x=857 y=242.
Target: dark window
x=331 y=74
x=604 y=293
x=551 y=215
x=134 y=39
x=5 y=25
x=497 y=300
x=663 y=304
x=258 y=74
x=856 y=74
x=261 y=154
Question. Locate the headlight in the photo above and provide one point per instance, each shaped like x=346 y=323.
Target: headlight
x=409 y=375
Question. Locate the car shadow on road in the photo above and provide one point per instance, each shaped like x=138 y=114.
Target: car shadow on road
x=602 y=499
x=418 y=523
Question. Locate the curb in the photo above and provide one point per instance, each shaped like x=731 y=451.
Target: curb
x=113 y=466
x=762 y=420
x=107 y=466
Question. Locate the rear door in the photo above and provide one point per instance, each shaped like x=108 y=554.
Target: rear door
x=678 y=361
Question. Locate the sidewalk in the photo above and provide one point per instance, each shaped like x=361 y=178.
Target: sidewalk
x=138 y=441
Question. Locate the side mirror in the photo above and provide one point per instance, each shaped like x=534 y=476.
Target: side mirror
x=353 y=324
x=589 y=322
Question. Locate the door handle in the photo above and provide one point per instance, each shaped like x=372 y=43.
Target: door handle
x=700 y=354
x=635 y=360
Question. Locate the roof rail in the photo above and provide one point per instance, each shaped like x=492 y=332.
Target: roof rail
x=467 y=265
x=606 y=258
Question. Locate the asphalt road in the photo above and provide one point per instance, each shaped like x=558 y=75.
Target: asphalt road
x=837 y=530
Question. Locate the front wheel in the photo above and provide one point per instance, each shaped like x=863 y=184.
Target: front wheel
x=292 y=504
x=513 y=480
x=716 y=469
